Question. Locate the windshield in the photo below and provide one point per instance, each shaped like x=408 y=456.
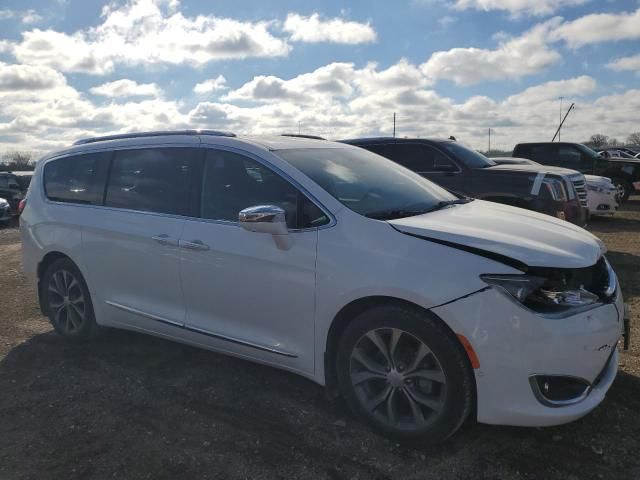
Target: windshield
x=367 y=183
x=469 y=157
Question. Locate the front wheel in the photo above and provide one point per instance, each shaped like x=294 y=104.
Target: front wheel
x=67 y=301
x=623 y=189
x=405 y=373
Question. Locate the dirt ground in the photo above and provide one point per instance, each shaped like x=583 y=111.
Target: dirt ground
x=136 y=407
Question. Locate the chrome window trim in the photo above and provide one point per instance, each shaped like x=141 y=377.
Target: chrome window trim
x=201 y=331
x=332 y=219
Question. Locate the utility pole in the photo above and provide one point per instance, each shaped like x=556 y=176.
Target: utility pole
x=560 y=117
x=298 y=127
x=489 y=150
x=562 y=122
x=394 y=124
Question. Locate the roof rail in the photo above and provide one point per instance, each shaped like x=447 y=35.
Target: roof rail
x=160 y=133
x=300 y=135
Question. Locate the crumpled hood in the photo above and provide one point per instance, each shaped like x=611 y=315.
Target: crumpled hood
x=531 y=238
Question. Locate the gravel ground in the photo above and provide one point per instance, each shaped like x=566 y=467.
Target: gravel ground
x=136 y=407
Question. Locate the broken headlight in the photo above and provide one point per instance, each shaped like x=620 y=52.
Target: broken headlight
x=541 y=294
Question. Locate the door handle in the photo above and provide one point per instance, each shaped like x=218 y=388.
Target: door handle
x=196 y=245
x=165 y=240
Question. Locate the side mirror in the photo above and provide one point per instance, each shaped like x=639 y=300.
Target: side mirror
x=267 y=219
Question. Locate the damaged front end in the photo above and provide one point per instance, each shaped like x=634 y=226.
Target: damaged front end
x=559 y=291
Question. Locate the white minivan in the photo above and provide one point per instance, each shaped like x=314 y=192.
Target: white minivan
x=417 y=306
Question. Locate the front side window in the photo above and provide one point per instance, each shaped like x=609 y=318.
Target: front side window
x=470 y=158
x=152 y=179
x=77 y=179
x=233 y=182
x=367 y=183
x=568 y=156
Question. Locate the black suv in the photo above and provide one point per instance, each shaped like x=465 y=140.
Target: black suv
x=554 y=191
x=624 y=173
x=11 y=189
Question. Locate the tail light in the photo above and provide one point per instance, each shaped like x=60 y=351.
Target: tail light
x=21 y=205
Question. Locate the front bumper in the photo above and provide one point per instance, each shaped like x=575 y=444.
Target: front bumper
x=512 y=344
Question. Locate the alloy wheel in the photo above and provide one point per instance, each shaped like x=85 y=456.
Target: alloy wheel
x=398 y=379
x=66 y=302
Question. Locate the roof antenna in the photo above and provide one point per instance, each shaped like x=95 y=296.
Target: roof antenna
x=452 y=138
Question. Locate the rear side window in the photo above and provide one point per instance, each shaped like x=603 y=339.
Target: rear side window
x=153 y=180
x=234 y=182
x=77 y=179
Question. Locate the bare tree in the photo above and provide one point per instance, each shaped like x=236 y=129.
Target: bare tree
x=634 y=139
x=598 y=140
x=18 y=160
x=613 y=142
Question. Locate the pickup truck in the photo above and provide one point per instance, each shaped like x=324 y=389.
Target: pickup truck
x=623 y=172
x=557 y=192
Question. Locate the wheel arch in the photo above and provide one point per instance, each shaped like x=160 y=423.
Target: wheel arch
x=352 y=310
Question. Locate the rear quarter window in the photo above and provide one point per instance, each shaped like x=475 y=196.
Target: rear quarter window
x=77 y=178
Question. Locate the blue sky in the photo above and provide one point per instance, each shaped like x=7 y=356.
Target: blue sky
x=75 y=68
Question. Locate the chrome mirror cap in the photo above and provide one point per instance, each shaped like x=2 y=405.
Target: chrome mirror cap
x=267 y=219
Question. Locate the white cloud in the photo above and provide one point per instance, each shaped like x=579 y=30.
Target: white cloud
x=143 y=32
x=211 y=85
x=517 y=7
x=551 y=91
x=15 y=78
x=599 y=27
x=631 y=64
x=333 y=80
x=27 y=17
x=513 y=58
x=30 y=16
x=314 y=29
x=126 y=88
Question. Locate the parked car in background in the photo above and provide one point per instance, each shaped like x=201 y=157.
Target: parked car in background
x=624 y=173
x=601 y=192
x=621 y=152
x=556 y=192
x=24 y=178
x=11 y=190
x=5 y=211
x=326 y=260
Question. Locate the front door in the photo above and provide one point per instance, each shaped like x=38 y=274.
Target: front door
x=242 y=291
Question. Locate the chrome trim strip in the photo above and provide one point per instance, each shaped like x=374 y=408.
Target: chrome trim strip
x=201 y=331
x=144 y=314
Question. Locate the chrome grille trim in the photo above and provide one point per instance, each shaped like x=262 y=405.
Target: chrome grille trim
x=580 y=186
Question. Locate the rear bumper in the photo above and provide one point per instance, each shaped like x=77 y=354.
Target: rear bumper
x=514 y=344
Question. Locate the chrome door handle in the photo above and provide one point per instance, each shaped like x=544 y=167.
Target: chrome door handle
x=165 y=240
x=193 y=245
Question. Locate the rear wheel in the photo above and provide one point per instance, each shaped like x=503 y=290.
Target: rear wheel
x=403 y=372
x=67 y=301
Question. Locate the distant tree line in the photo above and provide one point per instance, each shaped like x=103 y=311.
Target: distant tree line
x=17 y=160
x=598 y=140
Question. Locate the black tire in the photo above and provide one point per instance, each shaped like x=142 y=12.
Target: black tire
x=454 y=398
x=623 y=188
x=72 y=314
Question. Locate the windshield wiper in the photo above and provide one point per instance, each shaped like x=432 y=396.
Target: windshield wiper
x=407 y=212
